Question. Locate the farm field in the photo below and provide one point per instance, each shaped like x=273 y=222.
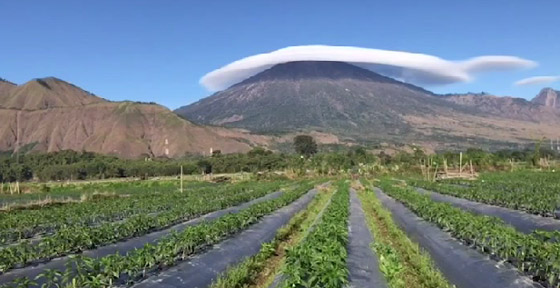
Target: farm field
x=532 y=192
x=56 y=193
x=377 y=232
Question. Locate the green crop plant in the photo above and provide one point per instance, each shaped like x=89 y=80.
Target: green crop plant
x=401 y=261
x=117 y=269
x=320 y=260
x=532 y=254
x=263 y=265
x=77 y=238
x=533 y=192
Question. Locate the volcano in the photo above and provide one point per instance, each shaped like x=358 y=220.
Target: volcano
x=361 y=106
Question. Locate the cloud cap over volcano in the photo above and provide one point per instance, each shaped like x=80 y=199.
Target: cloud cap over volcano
x=406 y=66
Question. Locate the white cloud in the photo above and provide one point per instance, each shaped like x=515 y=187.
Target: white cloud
x=537 y=80
x=406 y=66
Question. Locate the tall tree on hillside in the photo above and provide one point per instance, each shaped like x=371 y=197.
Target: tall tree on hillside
x=305 y=145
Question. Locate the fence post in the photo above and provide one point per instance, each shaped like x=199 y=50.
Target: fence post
x=181 y=178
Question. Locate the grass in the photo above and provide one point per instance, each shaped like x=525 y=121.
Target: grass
x=49 y=201
x=401 y=261
x=260 y=270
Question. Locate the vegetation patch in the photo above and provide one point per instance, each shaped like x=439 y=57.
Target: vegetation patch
x=260 y=269
x=117 y=269
x=535 y=254
x=320 y=260
x=401 y=261
x=533 y=192
x=72 y=238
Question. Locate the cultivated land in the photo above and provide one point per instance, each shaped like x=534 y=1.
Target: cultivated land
x=498 y=231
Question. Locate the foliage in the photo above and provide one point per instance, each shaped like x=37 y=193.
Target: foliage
x=401 y=261
x=27 y=223
x=320 y=261
x=533 y=192
x=117 y=269
x=535 y=254
x=177 y=207
x=246 y=273
x=70 y=165
x=305 y=145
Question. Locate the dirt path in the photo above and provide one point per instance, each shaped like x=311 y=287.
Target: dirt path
x=362 y=262
x=523 y=222
x=461 y=265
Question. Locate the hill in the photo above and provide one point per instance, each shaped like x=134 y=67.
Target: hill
x=49 y=114
x=507 y=107
x=359 y=105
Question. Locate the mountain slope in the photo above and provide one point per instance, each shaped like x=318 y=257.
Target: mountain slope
x=311 y=94
x=5 y=88
x=47 y=93
x=360 y=105
x=506 y=107
x=548 y=97
x=50 y=115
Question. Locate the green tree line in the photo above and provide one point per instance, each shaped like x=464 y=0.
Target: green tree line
x=72 y=165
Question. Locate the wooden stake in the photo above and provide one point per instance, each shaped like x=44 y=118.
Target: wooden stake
x=427 y=167
x=181 y=178
x=460 y=163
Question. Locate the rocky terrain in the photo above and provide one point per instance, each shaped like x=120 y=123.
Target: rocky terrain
x=358 y=105
x=50 y=114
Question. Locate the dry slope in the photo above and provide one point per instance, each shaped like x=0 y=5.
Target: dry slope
x=49 y=115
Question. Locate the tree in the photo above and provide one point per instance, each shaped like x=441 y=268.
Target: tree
x=205 y=166
x=537 y=154
x=305 y=145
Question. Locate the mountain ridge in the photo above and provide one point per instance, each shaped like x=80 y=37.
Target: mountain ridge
x=44 y=93
x=49 y=114
x=337 y=102
x=548 y=97
x=362 y=106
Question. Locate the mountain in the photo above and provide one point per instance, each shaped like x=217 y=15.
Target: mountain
x=548 y=97
x=359 y=105
x=46 y=93
x=5 y=88
x=49 y=114
x=506 y=107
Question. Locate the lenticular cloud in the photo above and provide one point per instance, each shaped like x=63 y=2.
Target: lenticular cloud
x=538 y=80
x=409 y=67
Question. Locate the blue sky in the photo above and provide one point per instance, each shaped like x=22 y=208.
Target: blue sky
x=158 y=50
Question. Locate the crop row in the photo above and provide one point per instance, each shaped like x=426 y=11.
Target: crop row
x=27 y=223
x=531 y=254
x=536 y=198
x=60 y=190
x=320 y=260
x=117 y=269
x=78 y=238
x=262 y=267
x=401 y=261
